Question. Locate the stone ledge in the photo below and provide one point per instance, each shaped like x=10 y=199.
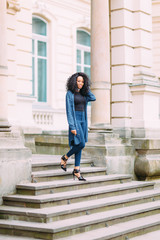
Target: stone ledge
x=145 y=143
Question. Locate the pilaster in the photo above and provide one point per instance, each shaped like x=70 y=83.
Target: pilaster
x=122 y=61
x=145 y=106
x=145 y=87
x=4 y=124
x=156 y=36
x=15 y=158
x=145 y=90
x=131 y=43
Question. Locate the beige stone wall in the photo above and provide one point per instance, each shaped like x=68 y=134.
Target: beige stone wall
x=131 y=43
x=63 y=17
x=19 y=40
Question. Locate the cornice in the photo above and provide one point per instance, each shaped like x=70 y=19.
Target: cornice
x=65 y=4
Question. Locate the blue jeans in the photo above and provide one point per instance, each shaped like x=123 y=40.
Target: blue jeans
x=77 y=149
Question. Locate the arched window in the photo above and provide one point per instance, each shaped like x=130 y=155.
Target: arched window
x=39 y=59
x=83 y=52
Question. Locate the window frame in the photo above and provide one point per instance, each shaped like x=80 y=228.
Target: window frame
x=82 y=48
x=42 y=38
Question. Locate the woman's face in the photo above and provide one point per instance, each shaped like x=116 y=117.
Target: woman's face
x=80 y=82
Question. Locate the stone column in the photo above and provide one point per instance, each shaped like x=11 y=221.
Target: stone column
x=100 y=63
x=4 y=125
x=104 y=146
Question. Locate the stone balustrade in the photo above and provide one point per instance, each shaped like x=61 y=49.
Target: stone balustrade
x=43 y=118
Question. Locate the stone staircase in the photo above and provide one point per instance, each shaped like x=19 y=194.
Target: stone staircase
x=54 y=206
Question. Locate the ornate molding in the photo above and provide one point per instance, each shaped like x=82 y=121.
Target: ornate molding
x=40 y=5
x=86 y=22
x=13 y=5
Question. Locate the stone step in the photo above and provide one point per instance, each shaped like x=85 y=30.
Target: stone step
x=107 y=220
x=75 y=196
x=8 y=237
x=70 y=185
x=155 y=235
x=78 y=209
x=47 y=162
x=124 y=230
x=49 y=175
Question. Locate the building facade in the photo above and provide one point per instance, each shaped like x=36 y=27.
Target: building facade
x=115 y=42
x=47 y=41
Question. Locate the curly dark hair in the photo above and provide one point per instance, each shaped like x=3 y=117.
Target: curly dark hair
x=72 y=83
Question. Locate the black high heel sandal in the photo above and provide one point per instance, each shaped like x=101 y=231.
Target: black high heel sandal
x=81 y=178
x=63 y=166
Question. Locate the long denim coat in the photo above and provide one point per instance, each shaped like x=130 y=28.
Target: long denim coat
x=70 y=111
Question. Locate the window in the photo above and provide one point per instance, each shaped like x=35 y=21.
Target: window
x=83 y=52
x=39 y=59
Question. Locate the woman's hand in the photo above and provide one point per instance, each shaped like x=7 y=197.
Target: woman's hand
x=74 y=132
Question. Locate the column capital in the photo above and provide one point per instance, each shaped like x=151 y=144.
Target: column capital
x=13 y=5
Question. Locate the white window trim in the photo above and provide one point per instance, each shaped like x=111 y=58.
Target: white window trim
x=83 y=49
x=36 y=38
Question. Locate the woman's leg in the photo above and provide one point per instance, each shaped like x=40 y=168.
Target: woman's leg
x=78 y=158
x=77 y=149
x=78 y=154
x=74 y=150
x=76 y=171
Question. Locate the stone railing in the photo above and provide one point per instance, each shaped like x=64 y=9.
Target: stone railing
x=44 y=118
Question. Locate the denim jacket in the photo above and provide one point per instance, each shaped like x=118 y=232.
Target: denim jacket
x=70 y=111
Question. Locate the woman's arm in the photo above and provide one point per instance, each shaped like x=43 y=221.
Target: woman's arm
x=90 y=96
x=69 y=112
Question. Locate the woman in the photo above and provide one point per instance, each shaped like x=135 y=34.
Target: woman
x=77 y=97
